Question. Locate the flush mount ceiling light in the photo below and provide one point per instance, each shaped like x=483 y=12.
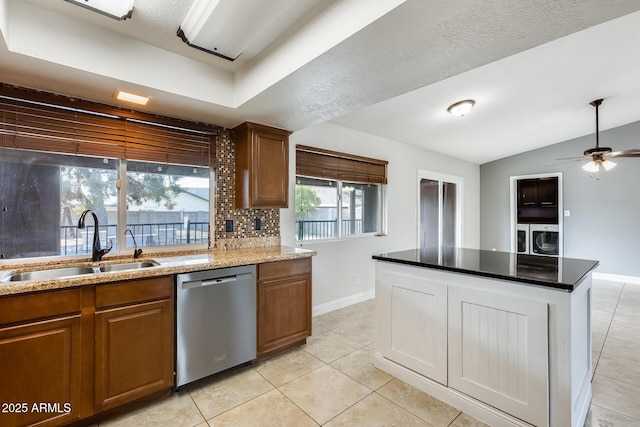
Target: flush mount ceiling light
x=130 y=97
x=116 y=9
x=227 y=27
x=461 y=108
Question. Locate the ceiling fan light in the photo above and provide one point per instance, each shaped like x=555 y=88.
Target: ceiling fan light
x=592 y=166
x=608 y=165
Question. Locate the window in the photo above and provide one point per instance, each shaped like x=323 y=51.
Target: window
x=350 y=205
x=43 y=195
x=139 y=172
x=167 y=204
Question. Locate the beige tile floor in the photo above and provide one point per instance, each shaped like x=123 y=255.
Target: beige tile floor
x=331 y=381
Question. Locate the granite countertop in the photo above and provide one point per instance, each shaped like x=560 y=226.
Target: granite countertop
x=169 y=263
x=555 y=272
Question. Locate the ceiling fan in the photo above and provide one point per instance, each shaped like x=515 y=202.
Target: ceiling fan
x=599 y=156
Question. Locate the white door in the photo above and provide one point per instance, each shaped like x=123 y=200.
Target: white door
x=440 y=210
x=412 y=319
x=498 y=351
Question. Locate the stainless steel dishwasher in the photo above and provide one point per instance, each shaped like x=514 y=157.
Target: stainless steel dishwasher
x=215 y=321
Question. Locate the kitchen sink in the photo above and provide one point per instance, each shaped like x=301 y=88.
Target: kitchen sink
x=53 y=273
x=127 y=266
x=59 y=273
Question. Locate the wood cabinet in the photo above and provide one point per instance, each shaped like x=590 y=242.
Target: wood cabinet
x=538 y=192
x=40 y=358
x=134 y=340
x=67 y=355
x=284 y=304
x=262 y=166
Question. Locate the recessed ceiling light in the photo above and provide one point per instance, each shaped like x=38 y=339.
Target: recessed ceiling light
x=116 y=9
x=461 y=108
x=130 y=97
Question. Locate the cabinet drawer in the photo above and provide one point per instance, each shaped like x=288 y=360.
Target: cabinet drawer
x=284 y=268
x=133 y=291
x=20 y=308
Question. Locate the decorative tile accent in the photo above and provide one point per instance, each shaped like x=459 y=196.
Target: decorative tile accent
x=225 y=204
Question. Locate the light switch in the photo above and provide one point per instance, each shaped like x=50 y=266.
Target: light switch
x=567 y=213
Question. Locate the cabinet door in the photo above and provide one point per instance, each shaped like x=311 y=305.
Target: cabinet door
x=284 y=312
x=548 y=192
x=269 y=187
x=262 y=166
x=40 y=371
x=498 y=351
x=527 y=193
x=412 y=319
x=134 y=352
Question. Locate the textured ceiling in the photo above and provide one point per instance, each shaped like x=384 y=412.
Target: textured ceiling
x=389 y=68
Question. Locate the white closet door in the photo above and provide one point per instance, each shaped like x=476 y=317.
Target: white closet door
x=498 y=351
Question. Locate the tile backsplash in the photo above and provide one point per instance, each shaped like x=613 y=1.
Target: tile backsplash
x=243 y=234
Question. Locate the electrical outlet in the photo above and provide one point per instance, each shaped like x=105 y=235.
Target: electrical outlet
x=228 y=225
x=257 y=224
x=356 y=279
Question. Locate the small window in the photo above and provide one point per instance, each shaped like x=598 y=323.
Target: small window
x=360 y=208
x=167 y=204
x=338 y=194
x=316 y=209
x=318 y=216
x=43 y=195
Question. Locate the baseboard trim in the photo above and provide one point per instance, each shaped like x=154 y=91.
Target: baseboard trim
x=468 y=405
x=617 y=278
x=326 y=307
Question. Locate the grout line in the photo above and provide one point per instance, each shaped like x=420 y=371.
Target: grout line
x=614 y=411
x=604 y=342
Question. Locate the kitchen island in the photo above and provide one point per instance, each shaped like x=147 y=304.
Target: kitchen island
x=504 y=337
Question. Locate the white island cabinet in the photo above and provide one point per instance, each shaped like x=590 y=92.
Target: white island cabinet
x=506 y=338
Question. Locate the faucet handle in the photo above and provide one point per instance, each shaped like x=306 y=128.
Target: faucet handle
x=103 y=252
x=107 y=250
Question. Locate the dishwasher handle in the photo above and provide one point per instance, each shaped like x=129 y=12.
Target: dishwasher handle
x=214 y=281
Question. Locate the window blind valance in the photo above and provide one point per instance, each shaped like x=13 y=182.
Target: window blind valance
x=320 y=163
x=46 y=122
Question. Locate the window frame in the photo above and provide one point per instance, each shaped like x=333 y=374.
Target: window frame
x=121 y=223
x=328 y=165
x=381 y=208
x=50 y=123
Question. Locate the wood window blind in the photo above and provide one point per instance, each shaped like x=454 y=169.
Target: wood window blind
x=319 y=163
x=53 y=123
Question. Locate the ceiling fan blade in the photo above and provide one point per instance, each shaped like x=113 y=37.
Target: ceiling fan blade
x=575 y=158
x=568 y=160
x=634 y=152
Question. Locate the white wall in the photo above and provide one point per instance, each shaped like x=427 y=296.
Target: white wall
x=338 y=261
x=3 y=22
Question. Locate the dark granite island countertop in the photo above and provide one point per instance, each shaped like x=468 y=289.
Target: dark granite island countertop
x=555 y=272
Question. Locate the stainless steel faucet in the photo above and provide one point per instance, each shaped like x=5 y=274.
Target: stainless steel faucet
x=136 y=252
x=97 y=252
